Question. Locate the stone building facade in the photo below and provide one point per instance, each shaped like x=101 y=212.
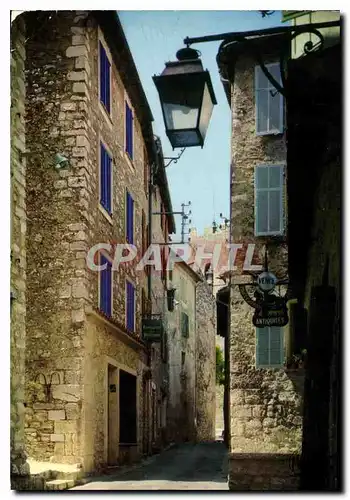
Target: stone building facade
x=86 y=363
x=265 y=397
x=19 y=467
x=182 y=355
x=161 y=227
x=191 y=357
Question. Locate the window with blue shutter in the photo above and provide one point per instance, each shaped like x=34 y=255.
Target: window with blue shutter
x=105 y=79
x=105 y=179
x=269 y=181
x=268 y=102
x=106 y=287
x=129 y=218
x=130 y=306
x=269 y=347
x=128 y=130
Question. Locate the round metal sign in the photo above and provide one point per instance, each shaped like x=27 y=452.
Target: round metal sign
x=267 y=281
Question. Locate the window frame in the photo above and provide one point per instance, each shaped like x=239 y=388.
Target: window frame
x=281 y=232
x=108 y=213
x=256 y=89
x=102 y=43
x=282 y=348
x=129 y=281
x=109 y=260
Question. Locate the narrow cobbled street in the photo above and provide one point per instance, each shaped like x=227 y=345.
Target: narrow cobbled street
x=184 y=467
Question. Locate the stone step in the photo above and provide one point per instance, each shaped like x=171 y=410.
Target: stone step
x=59 y=484
x=58 y=474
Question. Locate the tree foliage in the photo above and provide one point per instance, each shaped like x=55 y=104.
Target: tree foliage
x=220 y=366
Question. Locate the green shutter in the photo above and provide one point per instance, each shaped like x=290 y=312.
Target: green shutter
x=262 y=347
x=269 y=347
x=276 y=346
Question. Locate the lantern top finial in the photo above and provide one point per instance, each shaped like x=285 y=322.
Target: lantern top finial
x=187 y=54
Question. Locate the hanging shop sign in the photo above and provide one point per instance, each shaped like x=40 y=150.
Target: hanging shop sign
x=272 y=312
x=152 y=329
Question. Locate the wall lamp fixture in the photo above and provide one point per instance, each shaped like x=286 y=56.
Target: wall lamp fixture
x=185 y=90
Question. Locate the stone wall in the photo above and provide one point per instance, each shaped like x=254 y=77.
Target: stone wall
x=205 y=362
x=64 y=116
x=324 y=258
x=57 y=234
x=263 y=472
x=265 y=404
x=18 y=248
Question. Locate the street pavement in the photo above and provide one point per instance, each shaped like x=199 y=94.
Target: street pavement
x=187 y=466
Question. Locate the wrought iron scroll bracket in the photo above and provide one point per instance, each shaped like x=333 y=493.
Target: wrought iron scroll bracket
x=174 y=159
x=309 y=46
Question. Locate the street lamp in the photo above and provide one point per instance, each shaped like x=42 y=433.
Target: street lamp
x=187 y=99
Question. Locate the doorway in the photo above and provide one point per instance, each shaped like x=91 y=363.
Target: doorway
x=113 y=415
x=127 y=408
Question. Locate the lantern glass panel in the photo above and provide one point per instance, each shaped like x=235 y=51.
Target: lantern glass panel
x=207 y=109
x=181 y=105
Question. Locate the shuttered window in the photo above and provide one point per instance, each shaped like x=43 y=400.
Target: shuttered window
x=269 y=183
x=184 y=325
x=268 y=102
x=269 y=347
x=105 y=276
x=105 y=79
x=129 y=130
x=105 y=179
x=130 y=306
x=129 y=218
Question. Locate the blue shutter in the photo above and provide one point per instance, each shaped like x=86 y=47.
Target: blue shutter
x=129 y=218
x=130 y=306
x=108 y=162
x=102 y=177
x=106 y=287
x=106 y=180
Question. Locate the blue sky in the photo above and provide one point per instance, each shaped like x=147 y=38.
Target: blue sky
x=201 y=175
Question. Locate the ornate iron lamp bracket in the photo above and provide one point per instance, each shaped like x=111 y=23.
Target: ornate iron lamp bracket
x=248 y=37
x=309 y=47
x=174 y=159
